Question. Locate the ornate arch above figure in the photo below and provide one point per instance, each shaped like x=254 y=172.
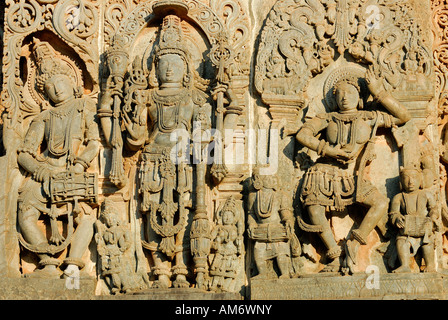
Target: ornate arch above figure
x=72 y=22
x=306 y=48
x=302 y=40
x=223 y=30
x=224 y=23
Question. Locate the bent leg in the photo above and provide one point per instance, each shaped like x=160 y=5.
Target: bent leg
x=378 y=205
x=317 y=217
x=28 y=219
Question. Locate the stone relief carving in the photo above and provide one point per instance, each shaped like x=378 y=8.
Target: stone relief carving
x=227 y=247
x=58 y=148
x=171 y=91
x=113 y=238
x=336 y=180
x=414 y=212
x=271 y=227
x=113 y=121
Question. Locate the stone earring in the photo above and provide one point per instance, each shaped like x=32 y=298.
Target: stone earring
x=361 y=104
x=186 y=80
x=78 y=92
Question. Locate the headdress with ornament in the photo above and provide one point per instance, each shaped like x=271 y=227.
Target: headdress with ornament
x=353 y=75
x=50 y=63
x=172 y=39
x=351 y=80
x=229 y=206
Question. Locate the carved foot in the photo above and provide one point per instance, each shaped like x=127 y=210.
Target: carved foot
x=162 y=283
x=73 y=271
x=351 y=251
x=429 y=269
x=402 y=269
x=48 y=272
x=200 y=281
x=181 y=282
x=333 y=266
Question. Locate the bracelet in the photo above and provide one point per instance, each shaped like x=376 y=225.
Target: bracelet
x=321 y=148
x=380 y=96
x=81 y=162
x=103 y=113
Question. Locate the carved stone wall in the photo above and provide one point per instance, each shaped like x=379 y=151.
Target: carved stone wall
x=235 y=148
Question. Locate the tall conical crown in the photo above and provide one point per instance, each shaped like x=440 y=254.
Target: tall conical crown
x=171 y=38
x=49 y=64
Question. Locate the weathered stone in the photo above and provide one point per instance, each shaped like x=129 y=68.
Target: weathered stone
x=208 y=149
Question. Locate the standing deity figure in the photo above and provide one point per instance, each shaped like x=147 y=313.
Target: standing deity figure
x=415 y=213
x=58 y=148
x=113 y=241
x=154 y=120
x=271 y=226
x=227 y=244
x=343 y=141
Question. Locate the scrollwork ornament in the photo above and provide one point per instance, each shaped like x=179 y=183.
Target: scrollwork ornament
x=77 y=18
x=47 y=1
x=440 y=48
x=24 y=16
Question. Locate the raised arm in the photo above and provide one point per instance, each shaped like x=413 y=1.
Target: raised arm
x=399 y=112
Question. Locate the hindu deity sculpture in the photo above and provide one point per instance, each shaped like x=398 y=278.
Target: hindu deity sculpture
x=158 y=116
x=343 y=140
x=58 y=148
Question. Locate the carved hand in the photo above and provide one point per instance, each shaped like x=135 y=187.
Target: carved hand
x=78 y=168
x=250 y=230
x=107 y=100
x=337 y=153
x=129 y=124
x=289 y=224
x=399 y=222
x=42 y=174
x=437 y=224
x=374 y=82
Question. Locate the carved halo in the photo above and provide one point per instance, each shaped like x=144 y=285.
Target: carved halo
x=352 y=73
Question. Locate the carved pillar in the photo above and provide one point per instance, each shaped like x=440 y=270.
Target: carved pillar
x=440 y=49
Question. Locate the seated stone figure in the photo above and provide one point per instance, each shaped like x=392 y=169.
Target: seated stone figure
x=60 y=144
x=414 y=213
